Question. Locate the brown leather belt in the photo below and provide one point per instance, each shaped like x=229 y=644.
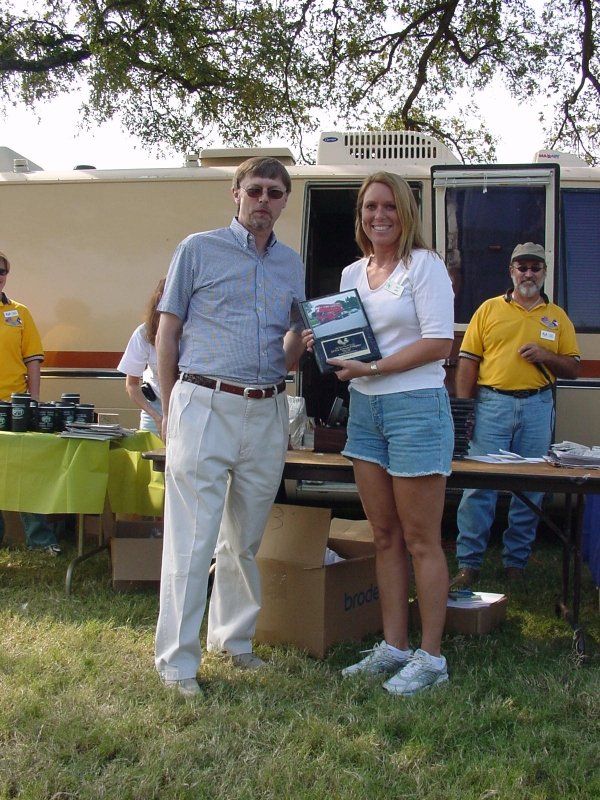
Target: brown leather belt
x=250 y=392
x=519 y=393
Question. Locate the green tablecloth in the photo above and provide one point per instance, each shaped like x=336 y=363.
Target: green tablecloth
x=47 y=474
x=133 y=486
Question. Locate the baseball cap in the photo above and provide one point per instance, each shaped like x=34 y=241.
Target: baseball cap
x=529 y=250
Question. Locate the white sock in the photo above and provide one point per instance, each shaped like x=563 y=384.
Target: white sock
x=437 y=661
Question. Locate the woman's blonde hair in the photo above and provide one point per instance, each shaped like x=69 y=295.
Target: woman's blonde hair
x=152 y=316
x=4 y=261
x=411 y=233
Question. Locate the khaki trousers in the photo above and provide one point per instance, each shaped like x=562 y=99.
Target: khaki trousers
x=225 y=458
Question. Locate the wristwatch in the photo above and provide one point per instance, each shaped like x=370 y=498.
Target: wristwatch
x=374 y=368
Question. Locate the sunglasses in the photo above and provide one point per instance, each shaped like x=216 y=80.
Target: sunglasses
x=257 y=191
x=537 y=268
x=3 y=271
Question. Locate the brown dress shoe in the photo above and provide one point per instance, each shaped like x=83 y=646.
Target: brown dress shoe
x=248 y=661
x=465 y=578
x=187 y=687
x=515 y=579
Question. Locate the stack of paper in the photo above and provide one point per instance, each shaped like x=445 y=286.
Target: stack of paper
x=92 y=430
x=571 y=454
x=478 y=600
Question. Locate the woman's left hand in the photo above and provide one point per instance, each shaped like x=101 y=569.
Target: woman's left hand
x=308 y=339
x=346 y=369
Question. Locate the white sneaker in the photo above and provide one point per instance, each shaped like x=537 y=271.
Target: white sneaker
x=418 y=674
x=382 y=658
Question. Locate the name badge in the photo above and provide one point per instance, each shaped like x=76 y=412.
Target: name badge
x=395 y=287
x=550 y=335
x=12 y=318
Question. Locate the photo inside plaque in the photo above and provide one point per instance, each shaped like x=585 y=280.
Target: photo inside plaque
x=341 y=328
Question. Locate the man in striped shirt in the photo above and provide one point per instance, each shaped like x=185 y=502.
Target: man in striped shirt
x=229 y=332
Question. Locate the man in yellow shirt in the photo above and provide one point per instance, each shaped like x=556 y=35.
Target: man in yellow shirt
x=22 y=355
x=515 y=347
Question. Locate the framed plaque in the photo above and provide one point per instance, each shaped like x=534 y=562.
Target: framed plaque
x=341 y=328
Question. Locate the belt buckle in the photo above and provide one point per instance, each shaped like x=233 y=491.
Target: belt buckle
x=522 y=393
x=247 y=394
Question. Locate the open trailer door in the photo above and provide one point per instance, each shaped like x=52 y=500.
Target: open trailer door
x=480 y=214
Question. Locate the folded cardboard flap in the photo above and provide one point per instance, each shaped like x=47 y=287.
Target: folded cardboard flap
x=357 y=529
x=350 y=548
x=296 y=533
x=300 y=534
x=351 y=538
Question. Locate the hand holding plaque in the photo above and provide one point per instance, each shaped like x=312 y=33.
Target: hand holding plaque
x=340 y=327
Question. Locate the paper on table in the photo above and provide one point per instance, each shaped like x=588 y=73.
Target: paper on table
x=505 y=457
x=93 y=430
x=90 y=435
x=482 y=600
x=572 y=454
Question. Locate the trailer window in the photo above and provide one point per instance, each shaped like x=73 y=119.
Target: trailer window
x=483 y=225
x=579 y=285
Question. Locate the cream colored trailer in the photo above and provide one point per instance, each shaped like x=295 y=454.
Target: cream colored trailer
x=88 y=246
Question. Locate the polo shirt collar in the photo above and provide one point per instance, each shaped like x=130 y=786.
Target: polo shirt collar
x=508 y=297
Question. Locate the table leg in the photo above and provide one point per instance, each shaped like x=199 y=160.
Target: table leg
x=81 y=556
x=572 y=552
x=571 y=541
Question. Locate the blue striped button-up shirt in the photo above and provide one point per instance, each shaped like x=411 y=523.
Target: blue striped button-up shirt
x=235 y=304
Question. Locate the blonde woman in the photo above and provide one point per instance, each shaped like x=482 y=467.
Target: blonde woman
x=400 y=432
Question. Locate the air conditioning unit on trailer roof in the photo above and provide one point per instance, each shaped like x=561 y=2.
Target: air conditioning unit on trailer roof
x=382 y=148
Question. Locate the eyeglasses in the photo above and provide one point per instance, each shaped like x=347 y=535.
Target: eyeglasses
x=523 y=269
x=257 y=191
x=3 y=271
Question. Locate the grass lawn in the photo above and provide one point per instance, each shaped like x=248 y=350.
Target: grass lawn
x=83 y=715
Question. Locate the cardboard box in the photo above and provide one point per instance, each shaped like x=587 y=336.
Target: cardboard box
x=305 y=603
x=136 y=554
x=469 y=620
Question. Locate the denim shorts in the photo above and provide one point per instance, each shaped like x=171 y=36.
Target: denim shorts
x=407 y=433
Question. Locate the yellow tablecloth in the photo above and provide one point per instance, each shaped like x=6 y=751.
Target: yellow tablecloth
x=47 y=474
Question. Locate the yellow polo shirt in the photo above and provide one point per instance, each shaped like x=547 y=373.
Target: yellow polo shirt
x=498 y=329
x=19 y=343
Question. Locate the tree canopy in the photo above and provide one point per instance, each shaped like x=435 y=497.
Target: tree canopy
x=180 y=73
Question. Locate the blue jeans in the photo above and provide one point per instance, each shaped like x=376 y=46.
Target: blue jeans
x=523 y=426
x=38 y=532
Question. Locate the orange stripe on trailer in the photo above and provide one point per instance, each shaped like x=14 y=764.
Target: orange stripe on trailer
x=590 y=369
x=71 y=359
